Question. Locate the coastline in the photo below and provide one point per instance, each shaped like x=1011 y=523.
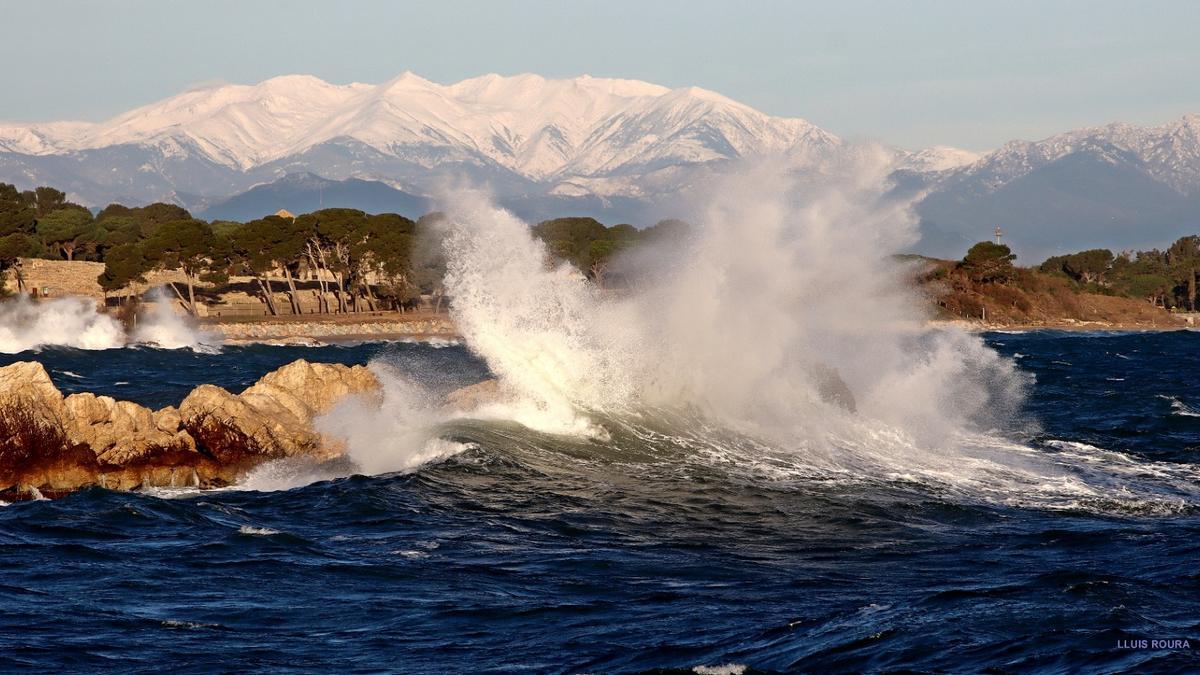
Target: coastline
x=335 y=328
x=429 y=326
x=1067 y=326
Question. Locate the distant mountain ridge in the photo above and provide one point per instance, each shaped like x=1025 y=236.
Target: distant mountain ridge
x=621 y=150
x=306 y=192
x=1118 y=186
x=518 y=131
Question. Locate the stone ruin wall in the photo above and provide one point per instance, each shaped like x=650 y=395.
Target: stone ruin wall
x=60 y=278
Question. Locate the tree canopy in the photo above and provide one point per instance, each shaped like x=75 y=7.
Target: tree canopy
x=989 y=262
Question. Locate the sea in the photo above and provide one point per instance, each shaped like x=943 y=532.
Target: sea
x=663 y=544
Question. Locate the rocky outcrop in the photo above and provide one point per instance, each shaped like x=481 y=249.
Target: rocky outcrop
x=56 y=444
x=273 y=417
x=27 y=386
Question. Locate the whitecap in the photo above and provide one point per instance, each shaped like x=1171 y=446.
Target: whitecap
x=1179 y=408
x=723 y=669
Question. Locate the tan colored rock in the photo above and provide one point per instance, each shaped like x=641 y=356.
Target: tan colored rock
x=314 y=388
x=273 y=417
x=27 y=385
x=120 y=432
x=34 y=447
x=168 y=419
x=61 y=444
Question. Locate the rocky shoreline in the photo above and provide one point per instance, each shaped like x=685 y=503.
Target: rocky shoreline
x=52 y=445
x=438 y=326
x=1065 y=325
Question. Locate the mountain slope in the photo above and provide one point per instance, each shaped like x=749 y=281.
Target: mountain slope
x=305 y=192
x=619 y=150
x=1119 y=186
x=528 y=127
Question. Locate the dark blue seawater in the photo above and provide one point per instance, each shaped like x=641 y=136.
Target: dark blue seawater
x=520 y=555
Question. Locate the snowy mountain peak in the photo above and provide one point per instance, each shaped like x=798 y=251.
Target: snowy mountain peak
x=536 y=127
x=938 y=158
x=1168 y=153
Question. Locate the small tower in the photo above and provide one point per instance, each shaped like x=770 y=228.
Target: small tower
x=999 y=234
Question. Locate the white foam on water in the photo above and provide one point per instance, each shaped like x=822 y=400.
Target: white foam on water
x=1179 y=408
x=162 y=327
x=397 y=433
x=723 y=669
x=75 y=322
x=258 y=531
x=68 y=322
x=734 y=334
x=739 y=321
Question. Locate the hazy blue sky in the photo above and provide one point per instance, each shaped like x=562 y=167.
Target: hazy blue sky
x=965 y=73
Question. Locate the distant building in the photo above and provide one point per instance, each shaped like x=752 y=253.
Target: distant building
x=284 y=213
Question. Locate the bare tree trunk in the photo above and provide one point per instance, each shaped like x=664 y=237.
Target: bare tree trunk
x=341 y=293
x=341 y=300
x=189 y=303
x=182 y=300
x=322 y=298
x=191 y=295
x=287 y=274
x=266 y=293
x=369 y=296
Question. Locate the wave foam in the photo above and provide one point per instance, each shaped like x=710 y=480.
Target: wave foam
x=74 y=322
x=68 y=322
x=719 y=349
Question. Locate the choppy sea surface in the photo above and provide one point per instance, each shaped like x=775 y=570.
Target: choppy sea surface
x=528 y=552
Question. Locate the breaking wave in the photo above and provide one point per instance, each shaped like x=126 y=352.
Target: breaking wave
x=724 y=352
x=68 y=322
x=28 y=325
x=160 y=326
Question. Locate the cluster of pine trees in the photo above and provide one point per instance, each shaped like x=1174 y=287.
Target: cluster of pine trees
x=1166 y=278
x=357 y=261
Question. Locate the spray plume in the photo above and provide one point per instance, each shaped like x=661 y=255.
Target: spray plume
x=774 y=292
x=75 y=322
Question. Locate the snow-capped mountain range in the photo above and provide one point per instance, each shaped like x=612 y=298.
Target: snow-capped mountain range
x=539 y=130
x=606 y=147
x=1170 y=152
x=1120 y=186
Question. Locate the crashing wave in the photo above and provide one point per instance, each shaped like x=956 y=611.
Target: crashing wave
x=27 y=325
x=779 y=341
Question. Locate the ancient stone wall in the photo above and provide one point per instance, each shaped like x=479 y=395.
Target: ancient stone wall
x=56 y=278
x=240 y=299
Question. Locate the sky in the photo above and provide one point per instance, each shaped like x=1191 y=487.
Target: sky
x=971 y=73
